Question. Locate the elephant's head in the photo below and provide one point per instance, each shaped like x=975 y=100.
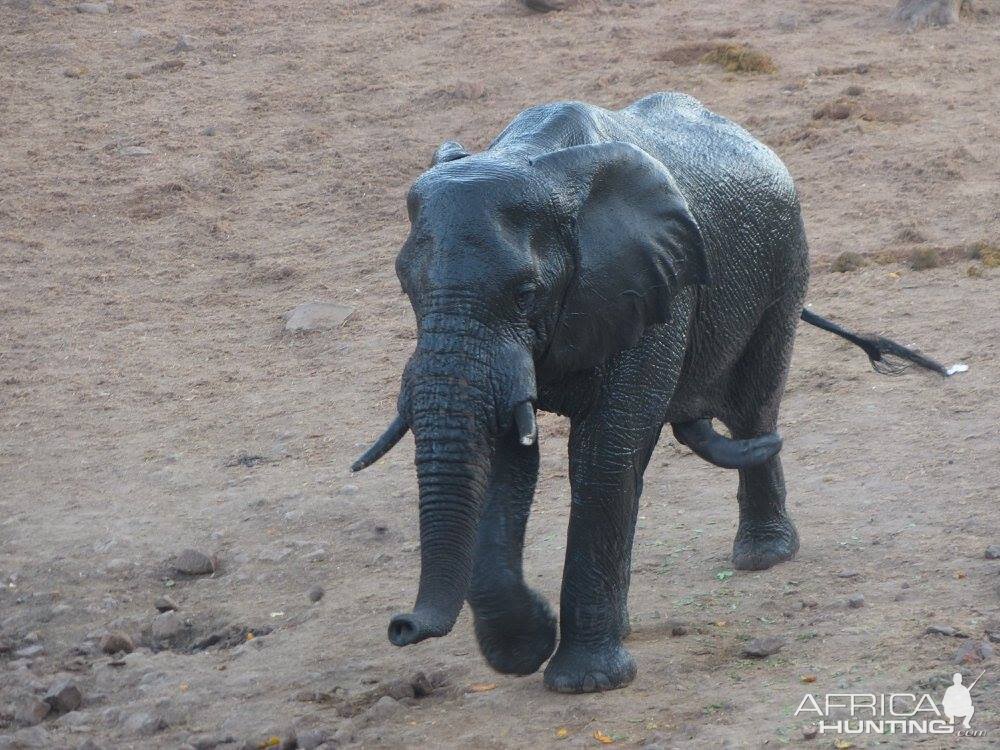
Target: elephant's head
x=518 y=271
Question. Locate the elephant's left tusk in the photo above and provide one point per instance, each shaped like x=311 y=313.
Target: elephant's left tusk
x=701 y=437
x=524 y=420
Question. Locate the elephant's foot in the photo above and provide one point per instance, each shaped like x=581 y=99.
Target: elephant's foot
x=518 y=639
x=581 y=669
x=760 y=545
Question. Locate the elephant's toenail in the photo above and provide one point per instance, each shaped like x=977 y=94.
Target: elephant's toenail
x=589 y=684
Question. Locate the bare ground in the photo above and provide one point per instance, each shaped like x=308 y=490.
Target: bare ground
x=142 y=355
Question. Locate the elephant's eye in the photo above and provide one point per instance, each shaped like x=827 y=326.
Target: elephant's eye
x=525 y=294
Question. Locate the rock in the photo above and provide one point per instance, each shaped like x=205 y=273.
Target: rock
x=856 y=601
x=135 y=151
x=400 y=689
x=759 y=648
x=346 y=733
x=209 y=130
x=210 y=741
x=143 y=724
x=944 y=630
x=64 y=696
x=317 y=316
x=33 y=737
x=136 y=37
x=809 y=732
x=117 y=642
x=383 y=709
x=185 y=42
x=848 y=574
x=973 y=652
x=31 y=711
x=118 y=567
x=993 y=552
x=787 y=22
x=422 y=686
x=167 y=626
x=677 y=628
x=165 y=604
x=349 y=489
x=916 y=13
x=194 y=563
x=316 y=593
x=92 y=8
x=29 y=652
x=546 y=6
x=274 y=554
x=89 y=745
x=317 y=555
x=310 y=739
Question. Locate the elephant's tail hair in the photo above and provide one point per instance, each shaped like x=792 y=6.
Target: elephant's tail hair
x=887 y=357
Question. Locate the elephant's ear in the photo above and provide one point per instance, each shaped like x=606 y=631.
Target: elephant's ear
x=637 y=245
x=448 y=151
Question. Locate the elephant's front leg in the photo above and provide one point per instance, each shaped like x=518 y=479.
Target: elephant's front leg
x=607 y=460
x=514 y=625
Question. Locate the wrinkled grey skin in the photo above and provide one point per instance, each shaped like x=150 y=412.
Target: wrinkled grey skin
x=626 y=269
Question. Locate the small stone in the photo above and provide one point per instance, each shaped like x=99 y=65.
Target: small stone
x=117 y=642
x=317 y=316
x=137 y=37
x=92 y=8
x=316 y=593
x=210 y=130
x=422 y=686
x=135 y=151
x=274 y=554
x=400 y=689
x=165 y=604
x=856 y=601
x=759 y=648
x=677 y=629
x=143 y=724
x=31 y=711
x=317 y=555
x=29 y=652
x=546 y=6
x=384 y=707
x=993 y=552
x=209 y=741
x=185 y=42
x=346 y=733
x=117 y=567
x=809 y=732
x=64 y=696
x=848 y=574
x=194 y=563
x=310 y=739
x=167 y=626
x=944 y=630
x=349 y=489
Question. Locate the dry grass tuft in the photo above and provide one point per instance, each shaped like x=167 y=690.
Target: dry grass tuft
x=924 y=258
x=986 y=252
x=740 y=58
x=848 y=261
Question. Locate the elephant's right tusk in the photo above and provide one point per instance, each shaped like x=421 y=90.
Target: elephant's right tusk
x=392 y=435
x=524 y=420
x=701 y=437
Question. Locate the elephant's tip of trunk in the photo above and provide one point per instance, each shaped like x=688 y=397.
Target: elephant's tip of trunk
x=408 y=628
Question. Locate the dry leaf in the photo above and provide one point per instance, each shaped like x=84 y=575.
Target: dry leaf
x=603 y=738
x=270 y=742
x=720 y=623
x=842 y=744
x=184 y=687
x=482 y=687
x=808 y=678
x=562 y=733
x=960 y=574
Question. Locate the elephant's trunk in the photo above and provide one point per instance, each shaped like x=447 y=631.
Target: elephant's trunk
x=451 y=422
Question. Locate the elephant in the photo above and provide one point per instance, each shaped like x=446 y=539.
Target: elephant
x=626 y=269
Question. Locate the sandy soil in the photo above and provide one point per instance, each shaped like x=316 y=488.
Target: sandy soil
x=164 y=201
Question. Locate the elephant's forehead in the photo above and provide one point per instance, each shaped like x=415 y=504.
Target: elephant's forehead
x=472 y=187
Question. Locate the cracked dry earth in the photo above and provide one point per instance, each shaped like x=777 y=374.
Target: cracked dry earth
x=175 y=176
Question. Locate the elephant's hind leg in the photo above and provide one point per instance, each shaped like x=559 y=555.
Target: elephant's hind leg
x=514 y=625
x=766 y=535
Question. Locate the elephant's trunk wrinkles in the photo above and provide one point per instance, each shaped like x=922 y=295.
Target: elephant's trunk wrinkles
x=451 y=412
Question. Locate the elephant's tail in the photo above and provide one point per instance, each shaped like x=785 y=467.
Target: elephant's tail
x=887 y=357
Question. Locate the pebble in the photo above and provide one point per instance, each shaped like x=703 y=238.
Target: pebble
x=758 y=648
x=116 y=642
x=31 y=711
x=274 y=554
x=165 y=604
x=135 y=151
x=194 y=563
x=185 y=42
x=856 y=601
x=167 y=626
x=809 y=732
x=317 y=316
x=316 y=593
x=137 y=36
x=209 y=741
x=29 y=652
x=143 y=723
x=64 y=696
x=349 y=489
x=92 y=8
x=210 y=130
x=993 y=552
x=118 y=566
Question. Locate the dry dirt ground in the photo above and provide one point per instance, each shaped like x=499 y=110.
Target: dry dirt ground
x=163 y=200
